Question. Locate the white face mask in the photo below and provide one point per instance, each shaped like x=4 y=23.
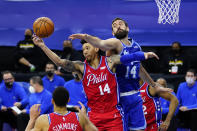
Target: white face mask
x=31 y=89
x=190 y=80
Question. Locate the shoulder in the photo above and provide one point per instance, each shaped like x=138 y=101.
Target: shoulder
x=47 y=93
x=59 y=77
x=44 y=78
x=68 y=82
x=135 y=44
x=42 y=121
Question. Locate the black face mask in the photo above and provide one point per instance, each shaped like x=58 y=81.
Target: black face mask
x=67 y=50
x=49 y=73
x=175 y=51
x=27 y=37
x=8 y=84
x=120 y=34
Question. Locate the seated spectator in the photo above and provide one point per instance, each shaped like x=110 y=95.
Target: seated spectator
x=51 y=80
x=76 y=91
x=28 y=56
x=39 y=96
x=11 y=94
x=69 y=53
x=175 y=62
x=187 y=96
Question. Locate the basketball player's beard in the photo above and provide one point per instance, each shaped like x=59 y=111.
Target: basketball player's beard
x=120 y=34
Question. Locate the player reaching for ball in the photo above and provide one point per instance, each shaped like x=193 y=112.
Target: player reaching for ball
x=99 y=83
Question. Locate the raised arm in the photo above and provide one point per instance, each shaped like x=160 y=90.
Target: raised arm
x=68 y=65
x=172 y=108
x=85 y=123
x=108 y=44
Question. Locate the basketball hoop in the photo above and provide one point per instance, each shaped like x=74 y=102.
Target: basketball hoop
x=168 y=11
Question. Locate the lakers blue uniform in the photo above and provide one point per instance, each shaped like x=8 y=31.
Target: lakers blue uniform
x=128 y=81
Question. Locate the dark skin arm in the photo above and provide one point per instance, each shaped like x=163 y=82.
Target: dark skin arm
x=173 y=105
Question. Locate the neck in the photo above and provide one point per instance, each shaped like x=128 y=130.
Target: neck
x=95 y=62
x=125 y=41
x=60 y=110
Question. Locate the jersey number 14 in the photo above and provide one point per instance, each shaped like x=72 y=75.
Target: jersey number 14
x=105 y=89
x=131 y=71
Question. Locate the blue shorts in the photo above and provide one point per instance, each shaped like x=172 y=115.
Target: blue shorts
x=133 y=112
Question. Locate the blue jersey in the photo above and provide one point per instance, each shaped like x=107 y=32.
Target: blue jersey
x=128 y=75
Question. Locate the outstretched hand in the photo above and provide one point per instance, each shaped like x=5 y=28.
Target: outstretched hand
x=150 y=55
x=37 y=41
x=77 y=36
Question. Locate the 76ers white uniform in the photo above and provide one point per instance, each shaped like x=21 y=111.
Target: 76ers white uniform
x=101 y=90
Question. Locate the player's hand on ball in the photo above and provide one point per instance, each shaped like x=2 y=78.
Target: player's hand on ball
x=77 y=36
x=37 y=41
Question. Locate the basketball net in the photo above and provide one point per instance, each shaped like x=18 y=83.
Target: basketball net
x=168 y=11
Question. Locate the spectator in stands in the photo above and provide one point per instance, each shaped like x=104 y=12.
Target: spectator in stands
x=11 y=94
x=187 y=96
x=51 y=80
x=39 y=96
x=176 y=62
x=28 y=56
x=76 y=91
x=69 y=53
x=187 y=91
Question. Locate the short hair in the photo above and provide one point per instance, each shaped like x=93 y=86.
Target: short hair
x=37 y=80
x=7 y=72
x=83 y=42
x=120 y=19
x=61 y=96
x=165 y=82
x=100 y=52
x=176 y=42
x=192 y=70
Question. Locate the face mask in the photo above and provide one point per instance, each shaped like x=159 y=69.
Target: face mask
x=31 y=89
x=67 y=50
x=27 y=37
x=8 y=84
x=49 y=73
x=120 y=34
x=190 y=80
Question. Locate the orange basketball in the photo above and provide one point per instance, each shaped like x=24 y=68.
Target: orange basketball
x=43 y=27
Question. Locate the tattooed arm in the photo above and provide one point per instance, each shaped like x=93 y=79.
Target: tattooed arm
x=68 y=65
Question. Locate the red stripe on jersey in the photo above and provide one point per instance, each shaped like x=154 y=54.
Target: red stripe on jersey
x=100 y=87
x=68 y=122
x=148 y=105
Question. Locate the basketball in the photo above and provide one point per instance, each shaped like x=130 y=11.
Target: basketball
x=43 y=27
